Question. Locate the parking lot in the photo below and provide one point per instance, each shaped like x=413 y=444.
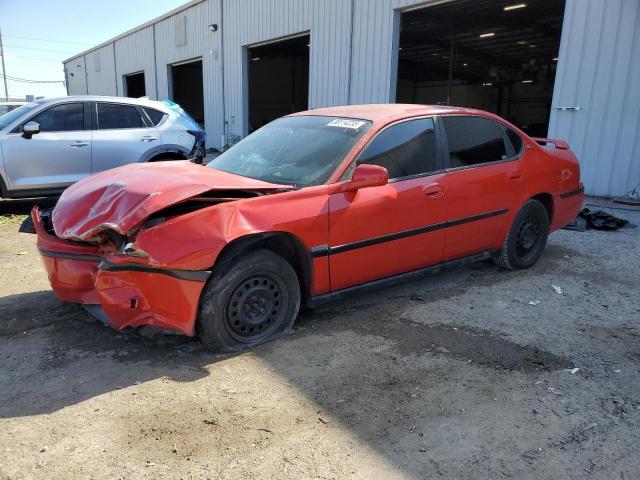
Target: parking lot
x=473 y=373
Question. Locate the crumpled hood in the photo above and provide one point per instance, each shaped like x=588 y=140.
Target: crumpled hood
x=121 y=198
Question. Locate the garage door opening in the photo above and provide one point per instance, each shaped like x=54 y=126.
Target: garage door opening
x=187 y=88
x=495 y=56
x=134 y=85
x=278 y=80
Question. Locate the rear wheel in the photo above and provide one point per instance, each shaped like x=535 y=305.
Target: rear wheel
x=253 y=299
x=526 y=239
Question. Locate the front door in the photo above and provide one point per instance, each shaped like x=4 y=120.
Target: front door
x=54 y=158
x=377 y=232
x=485 y=183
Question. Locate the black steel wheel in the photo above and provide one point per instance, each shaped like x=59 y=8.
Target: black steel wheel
x=526 y=239
x=253 y=299
x=256 y=308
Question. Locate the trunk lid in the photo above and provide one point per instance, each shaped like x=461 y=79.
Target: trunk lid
x=122 y=198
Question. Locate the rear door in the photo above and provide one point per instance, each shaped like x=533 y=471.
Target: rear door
x=377 y=232
x=54 y=158
x=121 y=134
x=485 y=184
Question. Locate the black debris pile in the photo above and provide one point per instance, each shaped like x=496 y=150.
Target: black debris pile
x=598 y=220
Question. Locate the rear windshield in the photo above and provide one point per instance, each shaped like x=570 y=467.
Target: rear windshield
x=300 y=150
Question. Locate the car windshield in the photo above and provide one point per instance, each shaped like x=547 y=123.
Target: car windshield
x=8 y=118
x=300 y=150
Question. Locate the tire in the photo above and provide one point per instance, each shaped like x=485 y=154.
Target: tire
x=526 y=239
x=3 y=189
x=250 y=300
x=165 y=157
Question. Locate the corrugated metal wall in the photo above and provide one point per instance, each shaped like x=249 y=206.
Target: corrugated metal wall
x=353 y=59
x=200 y=43
x=134 y=53
x=375 y=49
x=250 y=22
x=106 y=66
x=599 y=71
x=101 y=71
x=76 y=76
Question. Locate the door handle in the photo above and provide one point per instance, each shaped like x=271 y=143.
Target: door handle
x=516 y=176
x=148 y=138
x=576 y=108
x=79 y=144
x=433 y=191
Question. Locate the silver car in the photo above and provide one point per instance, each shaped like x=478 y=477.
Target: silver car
x=47 y=145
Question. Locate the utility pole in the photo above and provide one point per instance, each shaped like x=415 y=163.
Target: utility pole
x=4 y=69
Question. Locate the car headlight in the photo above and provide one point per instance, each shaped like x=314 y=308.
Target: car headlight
x=133 y=251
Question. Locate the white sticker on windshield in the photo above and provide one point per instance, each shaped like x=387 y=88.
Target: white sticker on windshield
x=345 y=123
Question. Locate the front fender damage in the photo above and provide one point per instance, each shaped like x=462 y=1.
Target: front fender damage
x=154 y=271
x=161 y=288
x=126 y=296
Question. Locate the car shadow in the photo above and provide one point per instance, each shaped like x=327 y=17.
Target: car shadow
x=24 y=206
x=42 y=336
x=348 y=358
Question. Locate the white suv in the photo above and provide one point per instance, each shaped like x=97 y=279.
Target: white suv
x=47 y=145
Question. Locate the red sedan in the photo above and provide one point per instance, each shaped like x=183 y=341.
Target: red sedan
x=309 y=207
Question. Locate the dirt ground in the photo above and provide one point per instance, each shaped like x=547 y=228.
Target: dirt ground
x=453 y=376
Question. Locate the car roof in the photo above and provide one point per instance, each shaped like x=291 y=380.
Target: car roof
x=388 y=112
x=102 y=98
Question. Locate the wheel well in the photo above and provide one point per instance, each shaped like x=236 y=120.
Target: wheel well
x=286 y=245
x=167 y=156
x=546 y=200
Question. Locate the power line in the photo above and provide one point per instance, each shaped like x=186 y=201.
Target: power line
x=13 y=57
x=40 y=49
x=49 y=40
x=26 y=80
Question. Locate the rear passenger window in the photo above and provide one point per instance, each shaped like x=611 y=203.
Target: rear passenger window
x=405 y=149
x=154 y=115
x=473 y=140
x=514 y=139
x=112 y=115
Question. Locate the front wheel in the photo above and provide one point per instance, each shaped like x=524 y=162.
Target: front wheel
x=526 y=239
x=255 y=299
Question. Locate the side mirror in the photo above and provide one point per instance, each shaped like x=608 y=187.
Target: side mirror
x=366 y=176
x=29 y=129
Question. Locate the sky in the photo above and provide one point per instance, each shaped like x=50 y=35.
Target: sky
x=39 y=34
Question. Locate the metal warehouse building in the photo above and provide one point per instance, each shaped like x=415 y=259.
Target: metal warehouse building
x=563 y=69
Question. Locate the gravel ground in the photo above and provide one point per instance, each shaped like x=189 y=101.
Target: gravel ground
x=453 y=376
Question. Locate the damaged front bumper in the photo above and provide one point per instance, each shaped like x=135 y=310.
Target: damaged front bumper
x=120 y=291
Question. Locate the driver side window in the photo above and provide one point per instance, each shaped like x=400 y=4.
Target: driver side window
x=405 y=149
x=67 y=117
